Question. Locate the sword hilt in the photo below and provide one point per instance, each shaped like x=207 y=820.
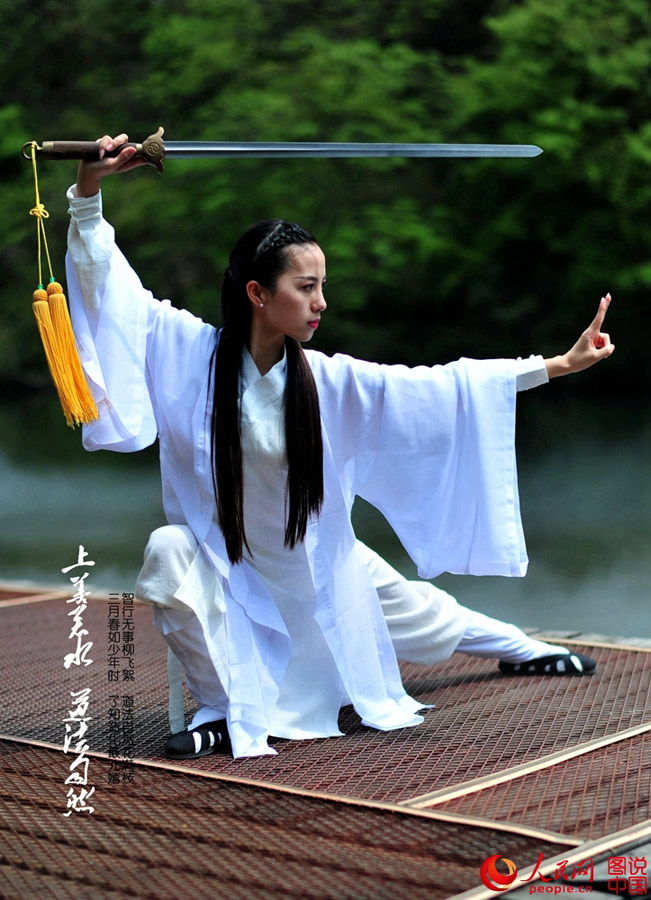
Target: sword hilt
x=152 y=150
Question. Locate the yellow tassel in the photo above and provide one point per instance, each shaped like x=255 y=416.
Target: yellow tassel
x=53 y=319
x=43 y=316
x=80 y=405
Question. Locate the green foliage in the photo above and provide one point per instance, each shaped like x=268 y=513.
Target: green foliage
x=427 y=259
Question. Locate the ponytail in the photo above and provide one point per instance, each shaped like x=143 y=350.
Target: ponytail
x=260 y=254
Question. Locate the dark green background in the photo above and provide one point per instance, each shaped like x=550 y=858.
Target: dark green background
x=427 y=259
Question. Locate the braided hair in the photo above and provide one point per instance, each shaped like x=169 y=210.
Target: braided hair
x=261 y=254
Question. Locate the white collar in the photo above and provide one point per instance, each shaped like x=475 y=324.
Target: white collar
x=266 y=388
x=251 y=373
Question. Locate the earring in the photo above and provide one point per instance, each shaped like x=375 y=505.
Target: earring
x=261 y=305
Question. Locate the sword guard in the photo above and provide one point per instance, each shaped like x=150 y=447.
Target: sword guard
x=152 y=149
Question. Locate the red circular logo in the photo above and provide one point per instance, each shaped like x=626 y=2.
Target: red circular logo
x=493 y=879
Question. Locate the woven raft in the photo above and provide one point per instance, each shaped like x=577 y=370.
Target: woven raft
x=535 y=770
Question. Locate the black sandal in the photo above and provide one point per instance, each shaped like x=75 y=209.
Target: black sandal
x=211 y=737
x=557 y=664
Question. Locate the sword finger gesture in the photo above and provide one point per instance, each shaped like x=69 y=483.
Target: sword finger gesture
x=599 y=339
x=593 y=346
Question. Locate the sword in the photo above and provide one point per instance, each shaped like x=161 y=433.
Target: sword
x=154 y=150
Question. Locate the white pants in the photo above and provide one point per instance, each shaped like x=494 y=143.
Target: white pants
x=410 y=610
x=426 y=624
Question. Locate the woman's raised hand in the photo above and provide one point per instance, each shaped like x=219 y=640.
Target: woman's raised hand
x=90 y=174
x=593 y=346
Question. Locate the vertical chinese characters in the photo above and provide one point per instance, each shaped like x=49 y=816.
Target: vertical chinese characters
x=76 y=722
x=121 y=669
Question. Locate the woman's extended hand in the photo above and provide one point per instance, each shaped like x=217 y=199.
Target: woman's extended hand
x=90 y=174
x=593 y=346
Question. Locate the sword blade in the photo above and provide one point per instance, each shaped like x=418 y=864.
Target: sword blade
x=316 y=150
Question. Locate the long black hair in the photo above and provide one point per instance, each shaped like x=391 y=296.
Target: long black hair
x=261 y=254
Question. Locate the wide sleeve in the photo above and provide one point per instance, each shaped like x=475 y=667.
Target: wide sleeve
x=433 y=448
x=130 y=344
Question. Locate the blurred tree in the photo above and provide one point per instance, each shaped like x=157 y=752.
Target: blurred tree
x=427 y=259
x=76 y=92
x=550 y=238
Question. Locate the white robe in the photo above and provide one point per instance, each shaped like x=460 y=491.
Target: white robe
x=431 y=447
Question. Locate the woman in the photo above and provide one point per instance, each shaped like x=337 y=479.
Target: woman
x=258 y=583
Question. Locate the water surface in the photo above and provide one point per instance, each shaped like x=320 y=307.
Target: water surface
x=584 y=486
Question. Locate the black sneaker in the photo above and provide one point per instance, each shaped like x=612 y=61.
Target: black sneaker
x=557 y=664
x=211 y=737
